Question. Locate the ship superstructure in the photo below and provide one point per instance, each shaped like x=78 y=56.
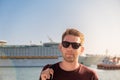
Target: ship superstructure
x=47 y=50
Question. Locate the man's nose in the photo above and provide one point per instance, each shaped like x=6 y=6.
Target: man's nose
x=70 y=47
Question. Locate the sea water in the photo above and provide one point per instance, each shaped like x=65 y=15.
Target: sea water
x=33 y=73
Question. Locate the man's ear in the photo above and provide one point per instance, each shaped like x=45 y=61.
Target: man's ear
x=82 y=49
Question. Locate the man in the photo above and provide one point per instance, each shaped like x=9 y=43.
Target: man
x=69 y=68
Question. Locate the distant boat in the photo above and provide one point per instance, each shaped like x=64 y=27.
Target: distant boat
x=109 y=63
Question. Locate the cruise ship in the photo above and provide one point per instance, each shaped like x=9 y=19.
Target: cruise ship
x=36 y=55
x=90 y=59
x=28 y=55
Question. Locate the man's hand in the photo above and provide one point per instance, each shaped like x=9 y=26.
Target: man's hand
x=45 y=74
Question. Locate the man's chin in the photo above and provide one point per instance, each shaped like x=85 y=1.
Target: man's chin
x=70 y=60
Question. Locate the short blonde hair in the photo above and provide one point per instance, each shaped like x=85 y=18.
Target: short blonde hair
x=74 y=32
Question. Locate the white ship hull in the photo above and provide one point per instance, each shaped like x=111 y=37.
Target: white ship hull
x=86 y=60
x=90 y=59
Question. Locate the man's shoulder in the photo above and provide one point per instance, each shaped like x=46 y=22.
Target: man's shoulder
x=50 y=65
x=86 y=68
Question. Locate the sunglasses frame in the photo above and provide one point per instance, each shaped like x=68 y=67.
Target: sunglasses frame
x=74 y=45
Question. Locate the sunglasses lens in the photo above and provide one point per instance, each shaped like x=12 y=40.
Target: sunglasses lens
x=76 y=45
x=65 y=44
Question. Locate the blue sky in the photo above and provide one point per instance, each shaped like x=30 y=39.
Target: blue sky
x=22 y=21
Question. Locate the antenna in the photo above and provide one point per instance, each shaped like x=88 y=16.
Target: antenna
x=50 y=39
x=106 y=52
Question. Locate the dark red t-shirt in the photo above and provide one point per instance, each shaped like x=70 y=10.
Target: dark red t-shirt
x=81 y=73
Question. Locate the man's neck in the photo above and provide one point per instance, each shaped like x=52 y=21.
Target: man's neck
x=69 y=66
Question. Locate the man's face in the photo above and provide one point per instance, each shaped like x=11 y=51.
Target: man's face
x=71 y=50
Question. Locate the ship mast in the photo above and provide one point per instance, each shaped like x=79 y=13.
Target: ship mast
x=50 y=39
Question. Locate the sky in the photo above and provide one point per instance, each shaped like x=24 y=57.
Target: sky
x=35 y=21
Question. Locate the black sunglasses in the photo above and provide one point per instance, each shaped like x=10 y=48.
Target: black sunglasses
x=75 y=45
